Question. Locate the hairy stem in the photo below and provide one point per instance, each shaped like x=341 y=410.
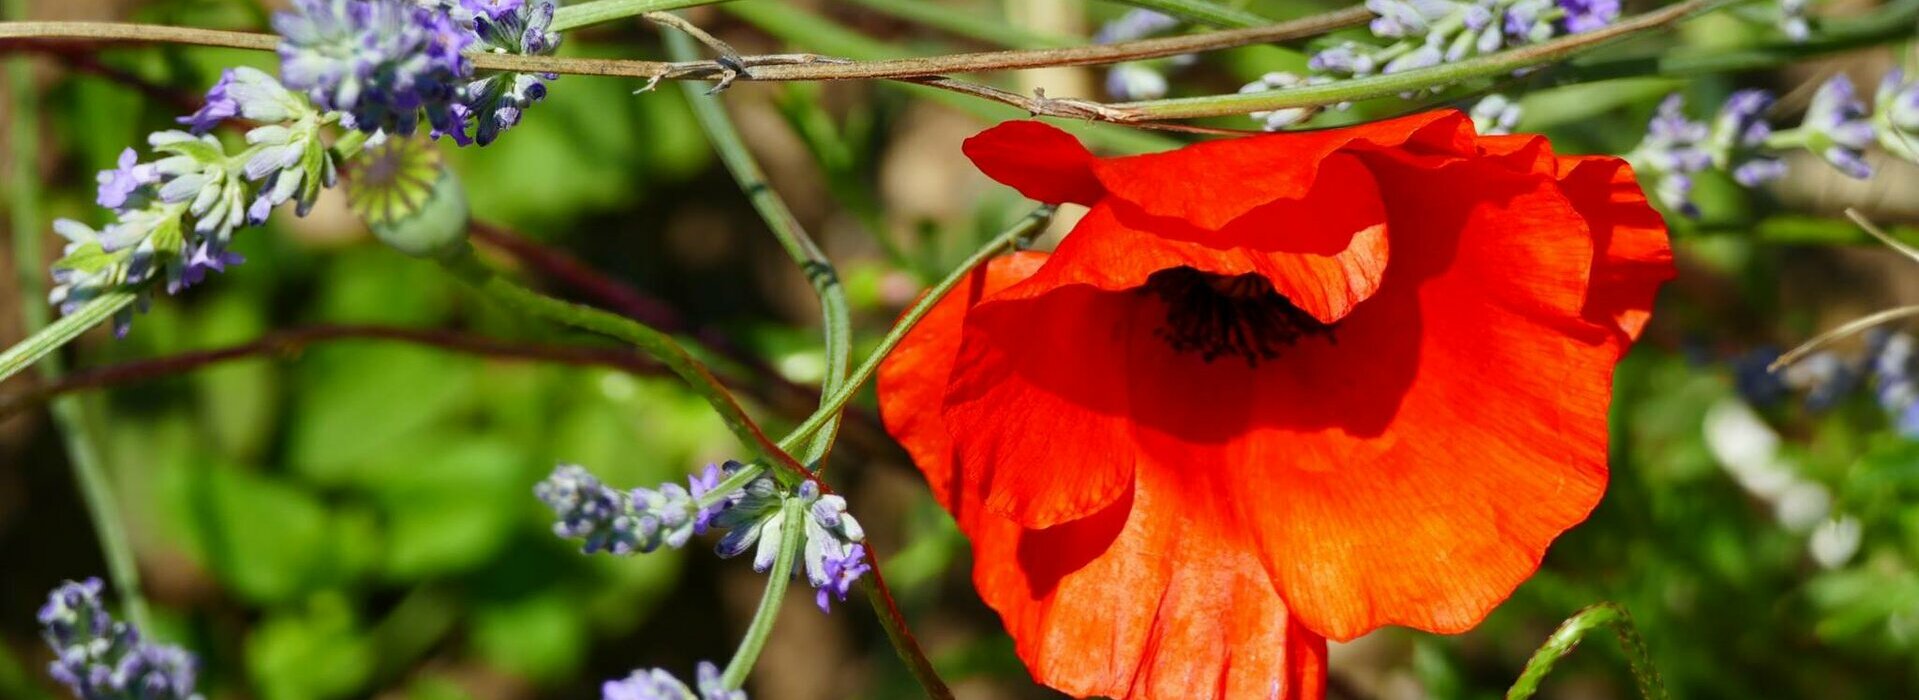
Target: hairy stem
x=792 y=527
x=46 y=340
x=836 y=316
x=1568 y=636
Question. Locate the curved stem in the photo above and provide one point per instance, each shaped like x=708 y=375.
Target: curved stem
x=1027 y=226
x=836 y=316
x=792 y=526
x=1568 y=636
x=465 y=266
x=1847 y=330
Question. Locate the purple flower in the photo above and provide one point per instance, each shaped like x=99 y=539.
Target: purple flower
x=1895 y=115
x=1739 y=135
x=198 y=263
x=1400 y=19
x=1347 y=59
x=1837 y=127
x=100 y=658
x=219 y=107
x=1135 y=24
x=496 y=101
x=1588 y=15
x=118 y=186
x=491 y=9
x=382 y=61
x=841 y=573
x=646 y=684
x=704 y=483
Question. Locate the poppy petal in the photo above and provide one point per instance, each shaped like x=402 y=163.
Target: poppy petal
x=1073 y=452
x=1042 y=162
x=1097 y=606
x=1169 y=606
x=1633 y=254
x=1325 y=257
x=912 y=380
x=1426 y=477
x=1212 y=183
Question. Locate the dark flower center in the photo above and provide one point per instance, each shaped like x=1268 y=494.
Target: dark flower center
x=1217 y=316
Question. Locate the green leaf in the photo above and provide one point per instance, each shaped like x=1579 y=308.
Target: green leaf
x=541 y=637
x=358 y=403
x=450 y=505
x=316 y=653
x=266 y=539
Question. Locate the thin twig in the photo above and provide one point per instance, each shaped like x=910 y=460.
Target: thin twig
x=1886 y=238
x=790 y=67
x=1849 y=329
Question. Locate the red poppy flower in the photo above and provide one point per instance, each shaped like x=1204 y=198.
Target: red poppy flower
x=1275 y=390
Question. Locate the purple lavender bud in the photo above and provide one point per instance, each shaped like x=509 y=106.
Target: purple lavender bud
x=587 y=510
x=1495 y=114
x=1399 y=19
x=1583 y=16
x=219 y=107
x=1346 y=59
x=1425 y=56
x=1135 y=24
x=119 y=186
x=841 y=573
x=383 y=61
x=103 y=659
x=1838 y=128
x=646 y=684
x=201 y=260
x=494 y=103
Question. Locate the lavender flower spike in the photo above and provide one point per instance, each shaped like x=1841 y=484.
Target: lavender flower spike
x=1583 y=16
x=647 y=684
x=1836 y=127
x=382 y=61
x=100 y=658
x=1672 y=153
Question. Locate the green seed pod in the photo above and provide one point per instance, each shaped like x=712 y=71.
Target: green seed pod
x=408 y=197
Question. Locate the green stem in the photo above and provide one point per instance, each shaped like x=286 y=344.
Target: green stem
x=792 y=525
x=1488 y=66
x=48 y=339
x=1027 y=226
x=836 y=316
x=69 y=415
x=660 y=346
x=1202 y=12
x=961 y=22
x=1568 y=636
x=587 y=14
